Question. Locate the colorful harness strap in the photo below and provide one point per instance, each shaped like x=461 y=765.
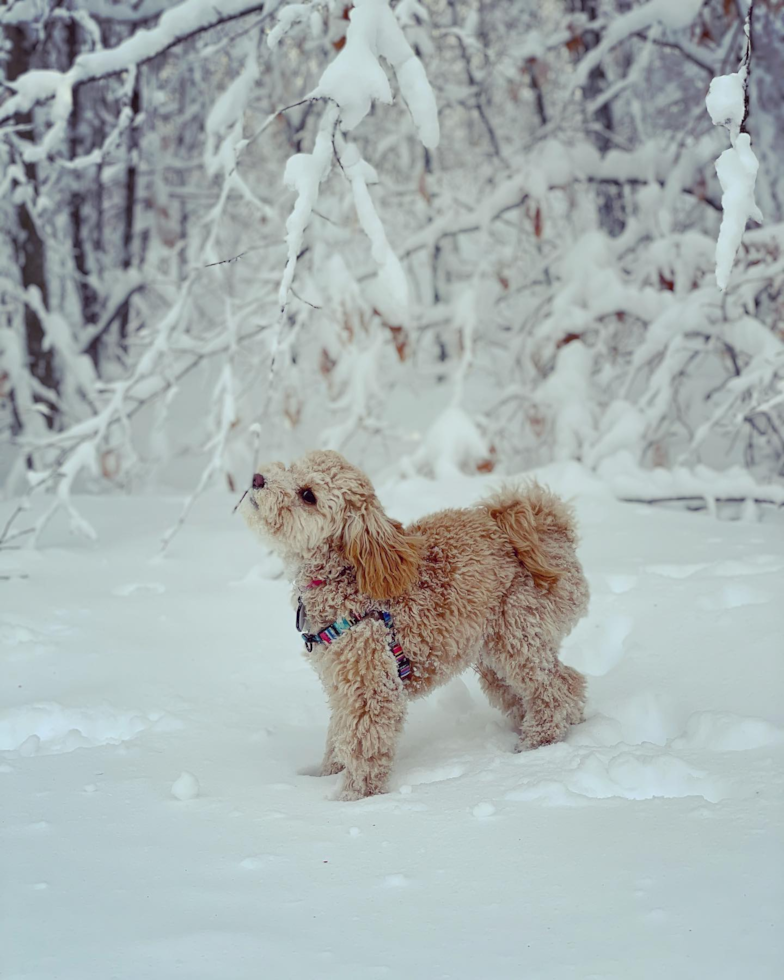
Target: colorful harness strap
x=403 y=663
x=341 y=626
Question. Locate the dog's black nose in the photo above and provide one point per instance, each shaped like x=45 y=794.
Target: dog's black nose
x=258 y=481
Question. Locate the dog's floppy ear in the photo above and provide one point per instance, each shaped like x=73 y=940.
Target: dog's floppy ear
x=385 y=558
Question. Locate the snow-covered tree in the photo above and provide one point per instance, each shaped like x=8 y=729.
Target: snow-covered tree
x=461 y=233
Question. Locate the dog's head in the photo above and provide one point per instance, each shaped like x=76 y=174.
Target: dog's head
x=321 y=501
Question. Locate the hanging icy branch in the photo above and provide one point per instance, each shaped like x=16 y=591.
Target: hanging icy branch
x=304 y=173
x=350 y=85
x=391 y=284
x=727 y=103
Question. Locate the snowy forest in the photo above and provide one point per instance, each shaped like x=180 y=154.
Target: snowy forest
x=473 y=235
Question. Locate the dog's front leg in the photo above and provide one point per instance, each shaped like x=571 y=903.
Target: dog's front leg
x=331 y=763
x=368 y=708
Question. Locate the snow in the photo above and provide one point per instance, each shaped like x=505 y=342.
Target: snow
x=411 y=77
x=226 y=114
x=566 y=392
x=452 y=445
x=176 y=23
x=627 y=479
x=677 y=14
x=356 y=79
x=737 y=172
x=648 y=844
x=672 y=14
x=391 y=284
x=185 y=787
x=725 y=101
x=291 y=14
x=304 y=173
x=736 y=168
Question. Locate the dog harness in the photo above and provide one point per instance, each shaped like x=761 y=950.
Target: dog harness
x=341 y=626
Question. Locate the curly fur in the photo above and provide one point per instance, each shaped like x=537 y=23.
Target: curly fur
x=496 y=586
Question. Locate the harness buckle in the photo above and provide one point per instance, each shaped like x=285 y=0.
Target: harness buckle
x=301 y=615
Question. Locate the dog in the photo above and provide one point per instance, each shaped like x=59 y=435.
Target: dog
x=400 y=610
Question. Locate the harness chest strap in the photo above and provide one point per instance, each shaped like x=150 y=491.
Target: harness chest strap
x=341 y=626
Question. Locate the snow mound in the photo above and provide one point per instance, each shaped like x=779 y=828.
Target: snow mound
x=625 y=777
x=452 y=446
x=185 y=787
x=722 y=731
x=50 y=728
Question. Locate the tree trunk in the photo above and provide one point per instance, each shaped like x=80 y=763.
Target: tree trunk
x=28 y=246
x=88 y=298
x=131 y=178
x=612 y=207
x=766 y=99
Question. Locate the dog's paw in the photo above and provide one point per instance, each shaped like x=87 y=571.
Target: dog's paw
x=350 y=794
x=359 y=788
x=324 y=769
x=534 y=737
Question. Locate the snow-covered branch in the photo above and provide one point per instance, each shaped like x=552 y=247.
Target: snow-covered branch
x=728 y=105
x=177 y=25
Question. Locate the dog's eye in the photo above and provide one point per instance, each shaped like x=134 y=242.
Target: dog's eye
x=307 y=495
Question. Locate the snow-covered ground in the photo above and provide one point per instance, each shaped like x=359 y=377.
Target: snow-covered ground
x=647 y=846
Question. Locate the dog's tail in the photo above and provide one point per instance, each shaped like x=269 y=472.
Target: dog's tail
x=532 y=518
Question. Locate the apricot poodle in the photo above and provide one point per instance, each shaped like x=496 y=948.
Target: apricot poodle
x=390 y=612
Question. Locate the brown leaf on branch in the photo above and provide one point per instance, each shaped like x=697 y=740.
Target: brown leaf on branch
x=340 y=42
x=568 y=339
x=400 y=340
x=292 y=408
x=326 y=362
x=705 y=35
x=487 y=465
x=399 y=335
x=110 y=464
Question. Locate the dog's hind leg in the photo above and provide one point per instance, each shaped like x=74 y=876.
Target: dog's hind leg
x=555 y=698
x=500 y=694
x=523 y=652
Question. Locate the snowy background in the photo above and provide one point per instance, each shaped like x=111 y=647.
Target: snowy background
x=457 y=240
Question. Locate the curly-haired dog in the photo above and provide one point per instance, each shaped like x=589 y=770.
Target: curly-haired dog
x=399 y=611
